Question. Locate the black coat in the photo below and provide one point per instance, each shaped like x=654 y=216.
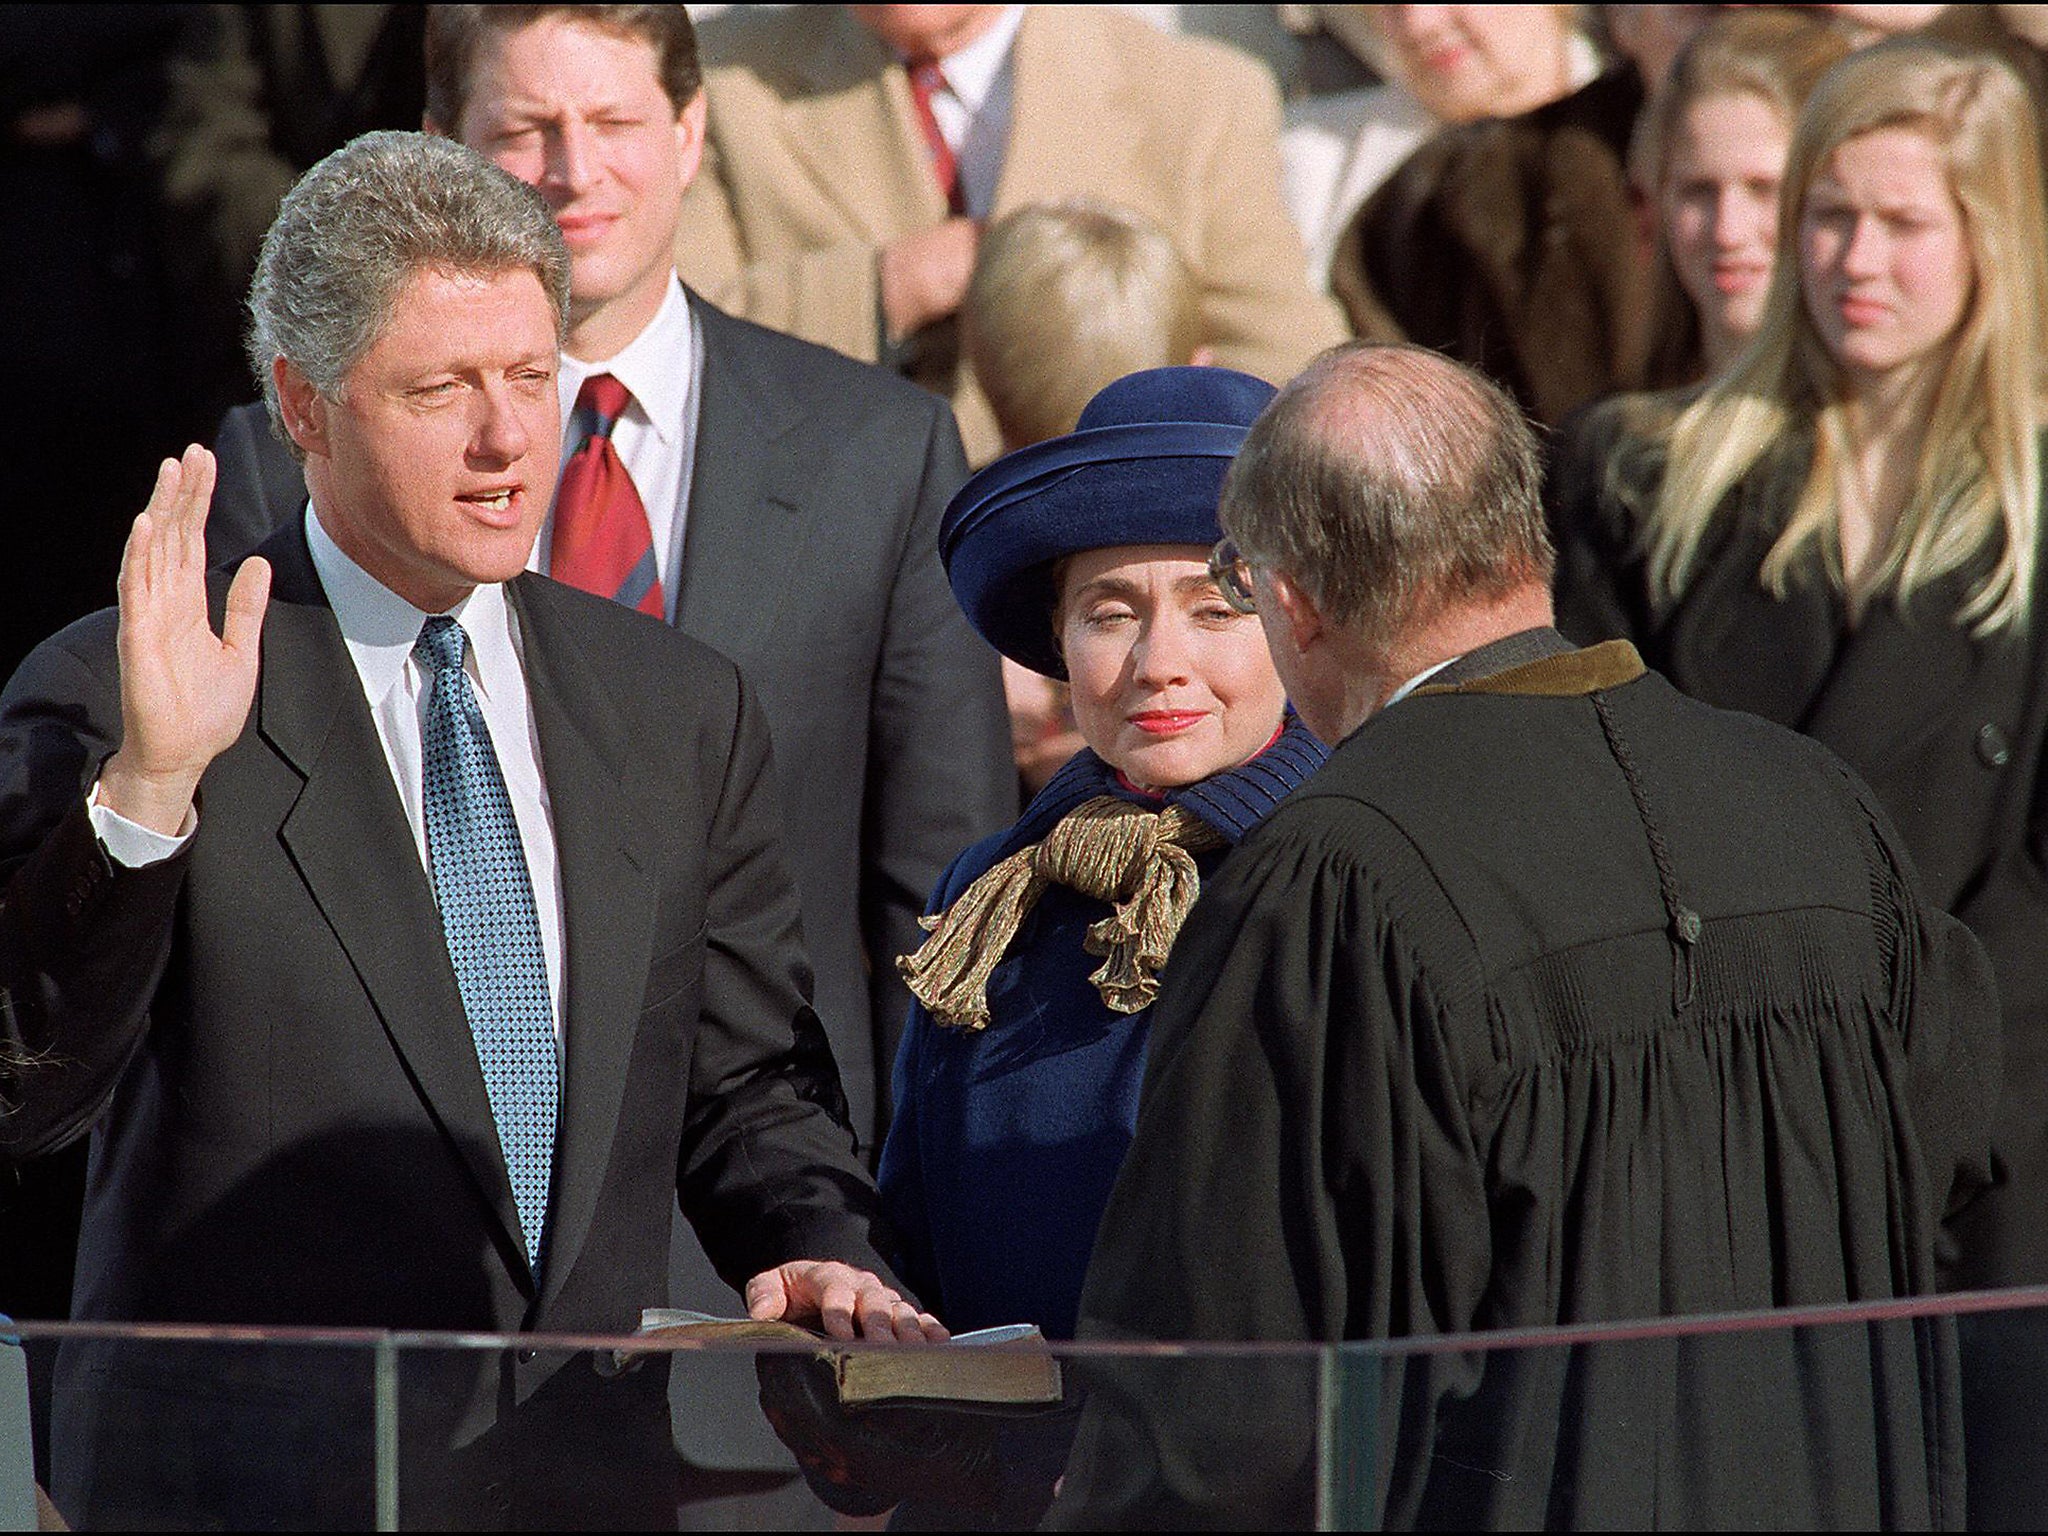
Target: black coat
x=1433 y=1060
x=290 y=1123
x=1947 y=729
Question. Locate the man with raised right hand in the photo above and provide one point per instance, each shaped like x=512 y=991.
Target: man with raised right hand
x=410 y=945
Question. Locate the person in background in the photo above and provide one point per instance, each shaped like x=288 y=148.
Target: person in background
x=1511 y=244
x=1066 y=298
x=258 y=93
x=855 y=154
x=1441 y=65
x=1555 y=997
x=1017 y=1085
x=1707 y=158
x=1843 y=532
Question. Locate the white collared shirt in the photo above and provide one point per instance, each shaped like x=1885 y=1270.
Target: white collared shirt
x=663 y=368
x=380 y=628
x=973 y=111
x=1417 y=681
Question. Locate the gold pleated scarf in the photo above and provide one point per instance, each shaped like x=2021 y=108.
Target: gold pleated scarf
x=1140 y=862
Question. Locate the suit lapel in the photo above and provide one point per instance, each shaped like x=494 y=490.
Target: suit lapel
x=852 y=124
x=745 y=495
x=350 y=842
x=600 y=827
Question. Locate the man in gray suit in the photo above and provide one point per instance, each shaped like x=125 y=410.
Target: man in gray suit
x=793 y=495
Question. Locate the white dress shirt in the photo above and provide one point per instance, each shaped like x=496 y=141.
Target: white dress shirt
x=663 y=369
x=1418 y=680
x=380 y=629
x=973 y=111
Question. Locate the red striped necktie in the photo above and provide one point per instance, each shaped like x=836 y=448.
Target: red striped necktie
x=925 y=80
x=601 y=540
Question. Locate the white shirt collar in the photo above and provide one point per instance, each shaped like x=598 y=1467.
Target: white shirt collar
x=1417 y=681
x=971 y=72
x=654 y=366
x=381 y=628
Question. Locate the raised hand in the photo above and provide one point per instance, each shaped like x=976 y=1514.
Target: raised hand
x=185 y=692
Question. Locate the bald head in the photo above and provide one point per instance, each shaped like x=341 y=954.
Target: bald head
x=1389 y=484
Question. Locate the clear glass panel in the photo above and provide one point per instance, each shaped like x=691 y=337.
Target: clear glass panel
x=1823 y=1418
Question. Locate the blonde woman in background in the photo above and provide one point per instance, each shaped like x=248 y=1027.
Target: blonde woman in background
x=1067 y=297
x=1441 y=64
x=1709 y=158
x=1842 y=532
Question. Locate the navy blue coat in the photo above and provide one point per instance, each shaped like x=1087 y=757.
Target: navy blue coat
x=1006 y=1140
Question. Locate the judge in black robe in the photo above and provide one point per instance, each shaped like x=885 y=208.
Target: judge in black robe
x=1555 y=998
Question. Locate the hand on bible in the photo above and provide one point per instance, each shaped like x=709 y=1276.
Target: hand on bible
x=841 y=1301
x=185 y=692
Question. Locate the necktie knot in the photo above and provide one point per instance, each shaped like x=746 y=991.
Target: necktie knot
x=442 y=645
x=606 y=399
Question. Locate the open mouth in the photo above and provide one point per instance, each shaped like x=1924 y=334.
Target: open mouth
x=498 y=504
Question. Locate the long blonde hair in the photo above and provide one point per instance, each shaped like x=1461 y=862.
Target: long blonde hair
x=1976 y=489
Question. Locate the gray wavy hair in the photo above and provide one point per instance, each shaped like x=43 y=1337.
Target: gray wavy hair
x=360 y=223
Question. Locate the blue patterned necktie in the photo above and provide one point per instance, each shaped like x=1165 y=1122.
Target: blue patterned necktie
x=488 y=919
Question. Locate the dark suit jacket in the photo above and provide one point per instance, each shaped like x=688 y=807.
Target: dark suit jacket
x=811 y=559
x=292 y=1125
x=1949 y=730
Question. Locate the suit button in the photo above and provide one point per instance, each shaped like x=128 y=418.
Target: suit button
x=1993 y=750
x=526 y=1356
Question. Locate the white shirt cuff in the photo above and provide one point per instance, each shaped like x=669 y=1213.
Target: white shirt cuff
x=130 y=844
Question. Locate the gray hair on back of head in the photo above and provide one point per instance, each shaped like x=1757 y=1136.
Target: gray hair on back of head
x=360 y=223
x=1386 y=480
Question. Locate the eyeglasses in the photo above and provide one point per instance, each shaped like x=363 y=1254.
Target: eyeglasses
x=1232 y=574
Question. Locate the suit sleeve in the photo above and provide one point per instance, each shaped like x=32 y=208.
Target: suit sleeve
x=940 y=773
x=1302 y=1170
x=1259 y=310
x=83 y=943
x=767 y=1170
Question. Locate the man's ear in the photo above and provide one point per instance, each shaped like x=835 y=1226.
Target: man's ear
x=1298 y=611
x=692 y=123
x=303 y=407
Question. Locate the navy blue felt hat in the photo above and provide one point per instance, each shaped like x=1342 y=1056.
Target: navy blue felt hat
x=1144 y=465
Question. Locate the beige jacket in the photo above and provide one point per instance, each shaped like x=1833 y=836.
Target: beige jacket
x=815 y=162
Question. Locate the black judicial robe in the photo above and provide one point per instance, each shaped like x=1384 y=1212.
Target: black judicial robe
x=1950 y=730
x=1555 y=998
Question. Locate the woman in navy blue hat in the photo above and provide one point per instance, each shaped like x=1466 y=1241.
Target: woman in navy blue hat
x=1016 y=1088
